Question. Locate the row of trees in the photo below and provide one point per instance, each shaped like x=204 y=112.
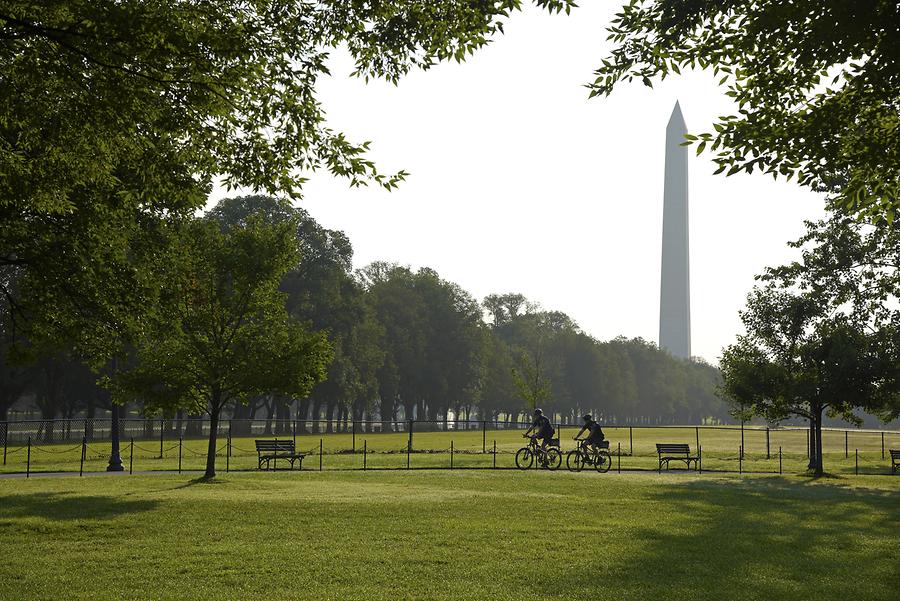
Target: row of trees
x=403 y=343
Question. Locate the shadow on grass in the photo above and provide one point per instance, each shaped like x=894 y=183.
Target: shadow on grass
x=760 y=538
x=56 y=506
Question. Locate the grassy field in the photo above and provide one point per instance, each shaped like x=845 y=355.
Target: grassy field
x=450 y=535
x=720 y=450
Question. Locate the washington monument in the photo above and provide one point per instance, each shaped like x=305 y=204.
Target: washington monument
x=675 y=285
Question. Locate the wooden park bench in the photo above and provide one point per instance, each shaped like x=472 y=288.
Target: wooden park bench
x=895 y=460
x=676 y=452
x=272 y=450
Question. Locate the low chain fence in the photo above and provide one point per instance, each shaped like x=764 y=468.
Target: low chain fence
x=85 y=445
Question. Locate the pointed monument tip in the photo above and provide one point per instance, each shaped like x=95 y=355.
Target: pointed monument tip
x=677 y=119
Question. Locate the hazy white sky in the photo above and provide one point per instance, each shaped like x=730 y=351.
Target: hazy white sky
x=519 y=183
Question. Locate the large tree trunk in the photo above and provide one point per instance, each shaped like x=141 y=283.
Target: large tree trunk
x=329 y=415
x=215 y=408
x=177 y=423
x=387 y=410
x=819 y=467
x=302 y=411
x=270 y=412
x=408 y=410
x=316 y=409
x=240 y=419
x=282 y=416
x=811 y=439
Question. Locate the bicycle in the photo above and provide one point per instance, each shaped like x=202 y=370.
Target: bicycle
x=600 y=458
x=549 y=458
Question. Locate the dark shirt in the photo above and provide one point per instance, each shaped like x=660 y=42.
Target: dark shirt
x=542 y=424
x=595 y=430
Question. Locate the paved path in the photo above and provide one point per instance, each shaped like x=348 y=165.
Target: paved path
x=86 y=474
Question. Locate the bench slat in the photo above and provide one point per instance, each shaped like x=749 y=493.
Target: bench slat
x=673 y=448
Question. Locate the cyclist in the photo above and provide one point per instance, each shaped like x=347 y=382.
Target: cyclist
x=595 y=432
x=543 y=430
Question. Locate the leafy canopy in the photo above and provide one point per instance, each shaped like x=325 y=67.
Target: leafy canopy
x=822 y=333
x=174 y=93
x=118 y=115
x=221 y=332
x=817 y=84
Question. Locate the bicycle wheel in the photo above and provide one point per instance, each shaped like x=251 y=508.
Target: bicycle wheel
x=603 y=461
x=575 y=461
x=554 y=459
x=524 y=458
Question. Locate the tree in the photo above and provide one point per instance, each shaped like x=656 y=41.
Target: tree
x=432 y=341
x=538 y=369
x=222 y=333
x=822 y=332
x=503 y=308
x=497 y=390
x=399 y=310
x=320 y=291
x=817 y=84
x=117 y=115
x=219 y=88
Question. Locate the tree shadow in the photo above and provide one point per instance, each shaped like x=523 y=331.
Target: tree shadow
x=200 y=481
x=57 y=506
x=759 y=538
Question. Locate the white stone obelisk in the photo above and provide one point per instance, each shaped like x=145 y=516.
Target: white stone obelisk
x=675 y=285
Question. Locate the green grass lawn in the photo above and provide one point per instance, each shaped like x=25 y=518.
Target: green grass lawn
x=386 y=450
x=451 y=535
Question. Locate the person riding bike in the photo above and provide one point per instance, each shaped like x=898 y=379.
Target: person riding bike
x=543 y=430
x=595 y=433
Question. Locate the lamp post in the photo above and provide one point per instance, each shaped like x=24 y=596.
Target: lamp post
x=115 y=460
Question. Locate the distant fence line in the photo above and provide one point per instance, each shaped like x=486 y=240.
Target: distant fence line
x=60 y=430
x=83 y=445
x=98 y=429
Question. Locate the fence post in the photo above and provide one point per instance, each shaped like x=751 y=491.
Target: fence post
x=846 y=447
x=451 y=454
x=483 y=436
x=408 y=450
x=83 y=451
x=619 y=453
x=6 y=441
x=162 y=429
x=365 y=453
x=410 y=433
x=768 y=454
x=353 y=435
x=28 y=461
x=856 y=452
x=228 y=456
x=741 y=459
x=320 y=454
x=779 y=460
x=699 y=459
x=495 y=453
x=228 y=453
x=630 y=442
x=742 y=439
x=131 y=457
x=180 y=440
x=882 y=449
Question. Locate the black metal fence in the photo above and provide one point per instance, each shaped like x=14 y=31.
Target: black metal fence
x=98 y=429
x=84 y=444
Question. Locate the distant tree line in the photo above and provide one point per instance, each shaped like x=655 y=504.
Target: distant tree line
x=404 y=344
